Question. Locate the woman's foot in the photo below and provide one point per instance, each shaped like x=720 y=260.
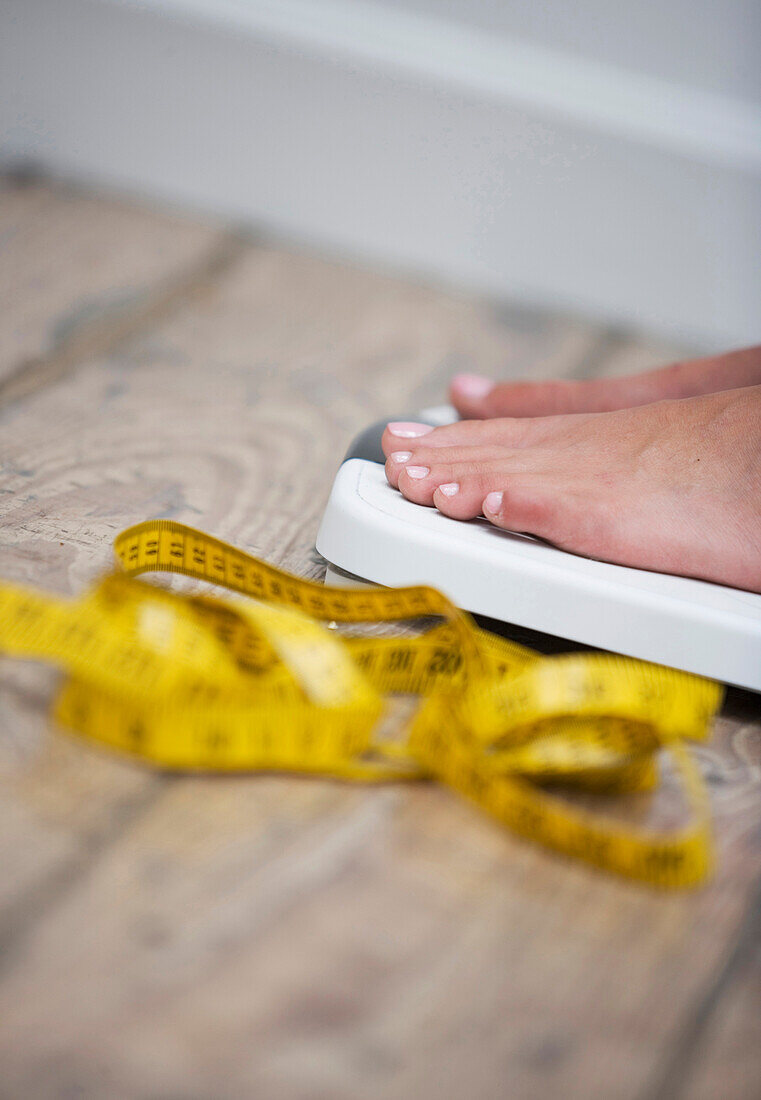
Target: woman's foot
x=477 y=398
x=673 y=486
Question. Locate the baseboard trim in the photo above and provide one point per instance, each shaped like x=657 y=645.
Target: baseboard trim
x=457 y=58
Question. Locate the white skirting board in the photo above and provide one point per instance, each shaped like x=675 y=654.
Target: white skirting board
x=402 y=139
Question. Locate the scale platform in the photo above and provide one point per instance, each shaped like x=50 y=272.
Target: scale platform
x=373 y=533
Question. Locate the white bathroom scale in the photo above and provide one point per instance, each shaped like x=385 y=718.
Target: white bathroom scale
x=372 y=533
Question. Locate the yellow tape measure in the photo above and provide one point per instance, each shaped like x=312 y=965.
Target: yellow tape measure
x=191 y=682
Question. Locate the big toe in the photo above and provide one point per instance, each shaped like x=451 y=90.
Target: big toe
x=469 y=394
x=478 y=398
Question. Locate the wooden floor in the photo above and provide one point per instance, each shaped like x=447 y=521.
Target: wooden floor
x=171 y=938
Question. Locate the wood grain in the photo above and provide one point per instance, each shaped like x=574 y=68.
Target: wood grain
x=728 y=1058
x=75 y=270
x=273 y=936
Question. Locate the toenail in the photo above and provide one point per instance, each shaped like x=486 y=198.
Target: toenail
x=407 y=429
x=400 y=456
x=493 y=503
x=450 y=489
x=472 y=385
x=417 y=472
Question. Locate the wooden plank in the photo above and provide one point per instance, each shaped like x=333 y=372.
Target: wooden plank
x=75 y=274
x=284 y=936
x=727 y=1060
x=71 y=264
x=402 y=946
x=716 y=1052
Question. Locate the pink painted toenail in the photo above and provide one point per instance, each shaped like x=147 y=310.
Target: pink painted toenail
x=400 y=456
x=417 y=472
x=408 y=429
x=450 y=489
x=493 y=503
x=472 y=385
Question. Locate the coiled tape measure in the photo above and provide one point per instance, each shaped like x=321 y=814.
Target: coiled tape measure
x=268 y=682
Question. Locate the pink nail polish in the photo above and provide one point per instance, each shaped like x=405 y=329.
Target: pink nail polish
x=400 y=456
x=472 y=385
x=417 y=472
x=493 y=503
x=408 y=429
x=450 y=489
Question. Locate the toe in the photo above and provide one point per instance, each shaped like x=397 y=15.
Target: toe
x=418 y=483
x=467 y=433
x=526 y=504
x=473 y=398
x=461 y=494
x=459 y=499
x=469 y=395
x=395 y=463
x=570 y=516
x=402 y=435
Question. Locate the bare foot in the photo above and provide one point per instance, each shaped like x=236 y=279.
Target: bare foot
x=477 y=398
x=673 y=486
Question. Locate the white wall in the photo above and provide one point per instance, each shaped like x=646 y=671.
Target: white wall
x=400 y=137
x=704 y=44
